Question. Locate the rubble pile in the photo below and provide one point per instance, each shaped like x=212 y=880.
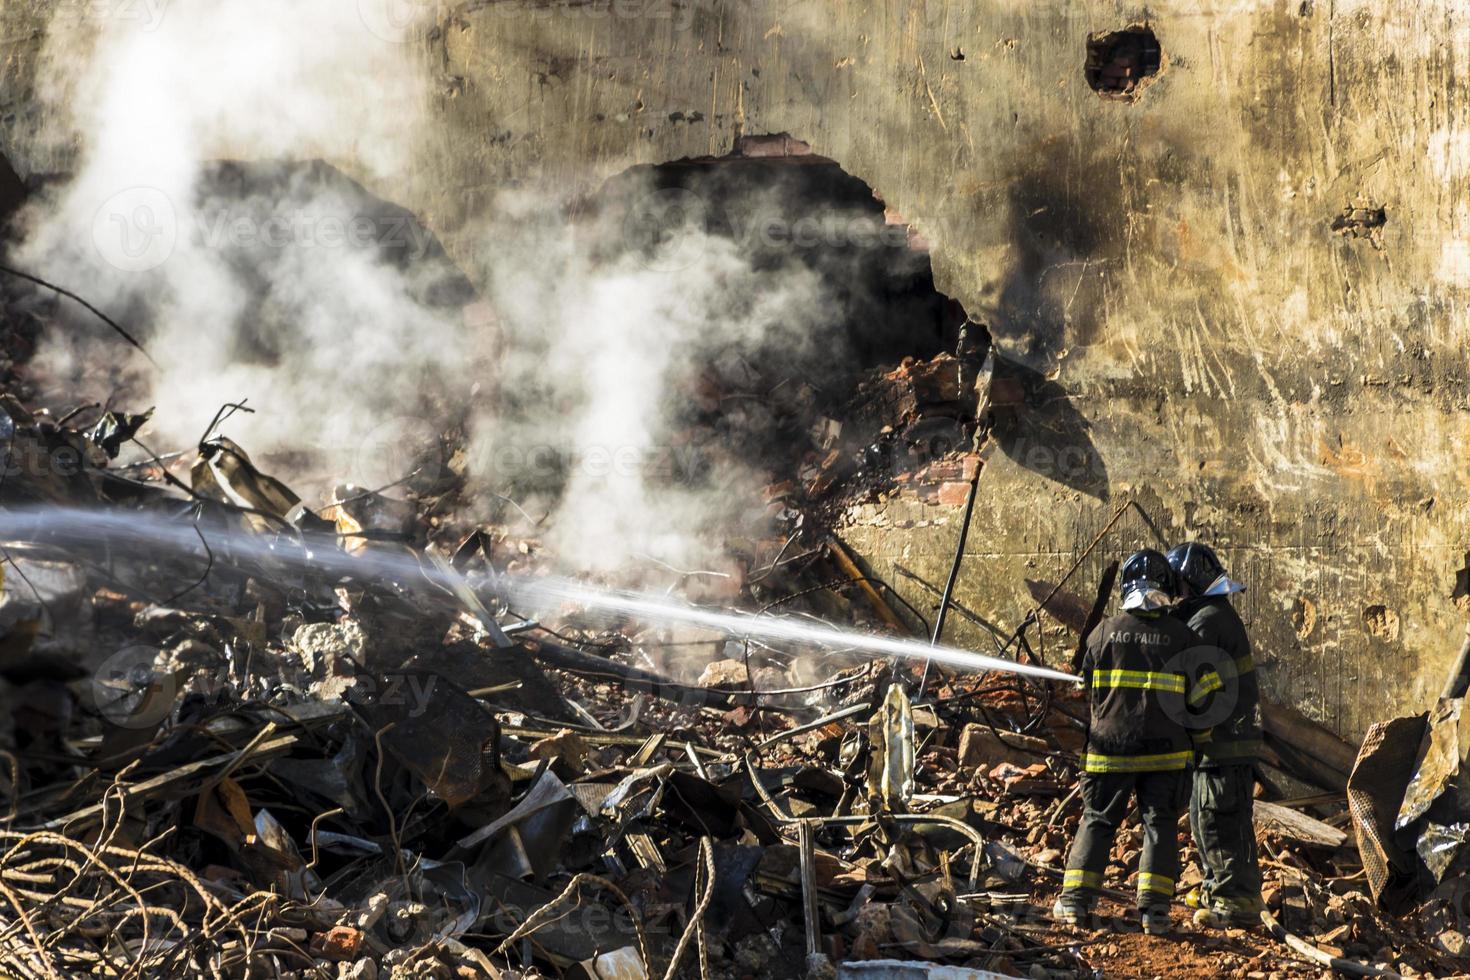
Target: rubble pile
x=250 y=738
x=291 y=769
x=903 y=429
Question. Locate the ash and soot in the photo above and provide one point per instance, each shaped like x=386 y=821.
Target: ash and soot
x=385 y=509
x=430 y=553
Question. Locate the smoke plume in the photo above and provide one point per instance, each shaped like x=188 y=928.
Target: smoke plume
x=342 y=322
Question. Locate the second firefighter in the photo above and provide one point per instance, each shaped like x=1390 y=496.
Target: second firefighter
x=1139 y=682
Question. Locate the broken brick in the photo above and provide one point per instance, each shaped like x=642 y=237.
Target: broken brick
x=953 y=494
x=340 y=943
x=982 y=746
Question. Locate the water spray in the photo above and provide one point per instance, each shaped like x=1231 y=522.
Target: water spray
x=658 y=609
x=144 y=536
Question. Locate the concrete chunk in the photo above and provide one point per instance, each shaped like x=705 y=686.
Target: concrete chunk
x=980 y=747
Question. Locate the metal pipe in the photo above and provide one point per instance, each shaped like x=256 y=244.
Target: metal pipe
x=954 y=574
x=1459 y=678
x=811 y=919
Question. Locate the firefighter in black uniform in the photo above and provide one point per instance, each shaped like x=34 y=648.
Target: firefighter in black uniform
x=1221 y=804
x=1138 y=673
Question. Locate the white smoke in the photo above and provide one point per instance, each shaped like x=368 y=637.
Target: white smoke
x=595 y=343
x=614 y=348
x=142 y=106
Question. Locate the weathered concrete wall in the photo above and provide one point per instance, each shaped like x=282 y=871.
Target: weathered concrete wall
x=1200 y=340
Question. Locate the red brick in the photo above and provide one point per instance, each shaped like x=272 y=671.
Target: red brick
x=953 y=469
x=338 y=943
x=953 y=494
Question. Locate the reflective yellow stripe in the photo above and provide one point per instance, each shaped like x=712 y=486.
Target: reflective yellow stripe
x=1158 y=884
x=1209 y=683
x=1078 y=878
x=1095 y=762
x=1146 y=680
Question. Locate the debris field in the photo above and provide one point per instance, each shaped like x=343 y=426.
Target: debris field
x=257 y=736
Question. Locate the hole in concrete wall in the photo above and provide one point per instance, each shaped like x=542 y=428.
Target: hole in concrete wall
x=1460 y=596
x=1121 y=63
x=782 y=207
x=871 y=389
x=1303 y=617
x=1362 y=220
x=1381 y=622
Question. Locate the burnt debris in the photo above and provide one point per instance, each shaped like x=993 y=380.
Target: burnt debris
x=259 y=732
x=322 y=743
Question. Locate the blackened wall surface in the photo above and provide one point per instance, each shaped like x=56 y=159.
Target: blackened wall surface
x=1188 y=328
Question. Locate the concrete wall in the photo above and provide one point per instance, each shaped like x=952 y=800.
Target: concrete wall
x=1188 y=330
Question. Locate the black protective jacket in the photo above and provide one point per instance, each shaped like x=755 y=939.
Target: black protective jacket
x=1228 y=677
x=1140 y=677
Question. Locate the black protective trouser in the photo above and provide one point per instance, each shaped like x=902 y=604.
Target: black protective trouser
x=1105 y=799
x=1221 y=816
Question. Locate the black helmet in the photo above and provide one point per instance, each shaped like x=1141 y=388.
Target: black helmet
x=1148 y=580
x=1199 y=568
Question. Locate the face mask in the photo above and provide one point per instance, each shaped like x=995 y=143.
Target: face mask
x=1147 y=600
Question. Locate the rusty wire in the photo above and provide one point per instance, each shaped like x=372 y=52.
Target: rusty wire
x=102 y=888
x=113 y=880
x=705 y=870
